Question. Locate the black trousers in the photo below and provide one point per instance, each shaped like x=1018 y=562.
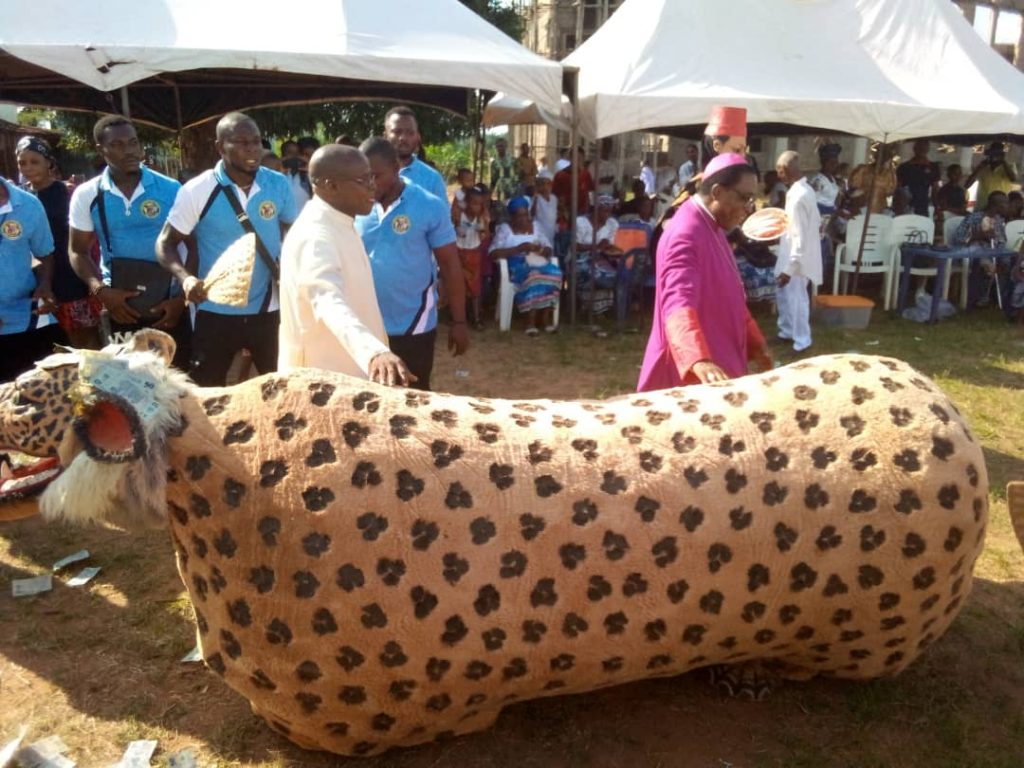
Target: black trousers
x=20 y=351
x=182 y=335
x=217 y=338
x=417 y=352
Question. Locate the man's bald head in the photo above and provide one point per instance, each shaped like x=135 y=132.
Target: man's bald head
x=334 y=160
x=227 y=124
x=341 y=177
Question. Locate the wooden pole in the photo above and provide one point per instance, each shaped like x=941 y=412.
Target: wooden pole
x=867 y=212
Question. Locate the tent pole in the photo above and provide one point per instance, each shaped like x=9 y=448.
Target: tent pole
x=125 y=106
x=867 y=211
x=574 y=92
x=177 y=113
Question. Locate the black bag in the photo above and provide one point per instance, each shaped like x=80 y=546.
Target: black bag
x=151 y=280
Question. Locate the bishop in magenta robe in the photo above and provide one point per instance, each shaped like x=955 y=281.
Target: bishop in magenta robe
x=700 y=311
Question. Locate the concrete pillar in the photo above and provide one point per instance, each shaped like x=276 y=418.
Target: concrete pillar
x=1018 y=55
x=860 y=152
x=779 y=145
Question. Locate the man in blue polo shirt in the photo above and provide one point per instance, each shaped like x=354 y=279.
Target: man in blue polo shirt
x=124 y=208
x=401 y=129
x=206 y=208
x=405 y=232
x=27 y=329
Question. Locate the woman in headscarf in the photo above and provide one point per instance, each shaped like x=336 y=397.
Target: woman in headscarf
x=528 y=252
x=77 y=313
x=597 y=255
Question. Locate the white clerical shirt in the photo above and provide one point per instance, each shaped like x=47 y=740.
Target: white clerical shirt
x=329 y=313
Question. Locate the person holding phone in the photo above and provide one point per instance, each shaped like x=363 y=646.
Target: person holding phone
x=993 y=174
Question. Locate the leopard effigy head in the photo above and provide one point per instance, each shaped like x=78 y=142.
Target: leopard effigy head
x=107 y=416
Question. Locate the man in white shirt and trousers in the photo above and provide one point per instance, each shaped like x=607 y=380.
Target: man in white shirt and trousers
x=329 y=313
x=799 y=262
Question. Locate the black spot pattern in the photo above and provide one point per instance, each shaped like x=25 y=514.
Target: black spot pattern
x=372 y=525
x=366 y=474
x=455 y=567
x=239 y=432
x=444 y=453
x=423 y=600
x=354 y=433
x=531 y=526
x=458 y=497
x=196 y=467
x=322 y=452
x=409 y=486
x=482 y=530
x=316 y=499
x=288 y=425
x=647 y=508
x=584 y=511
x=502 y=476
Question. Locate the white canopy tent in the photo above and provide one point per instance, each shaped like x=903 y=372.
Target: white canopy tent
x=115 y=43
x=504 y=109
x=885 y=69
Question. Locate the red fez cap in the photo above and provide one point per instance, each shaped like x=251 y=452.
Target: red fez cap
x=727 y=121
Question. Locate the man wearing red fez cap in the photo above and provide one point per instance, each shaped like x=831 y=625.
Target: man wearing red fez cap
x=702 y=330
x=730 y=123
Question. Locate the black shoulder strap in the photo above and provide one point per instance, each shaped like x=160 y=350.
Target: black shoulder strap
x=209 y=201
x=243 y=219
x=99 y=204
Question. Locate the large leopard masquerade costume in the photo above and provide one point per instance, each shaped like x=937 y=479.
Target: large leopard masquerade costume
x=377 y=567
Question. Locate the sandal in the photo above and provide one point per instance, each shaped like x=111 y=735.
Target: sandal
x=531 y=331
x=550 y=329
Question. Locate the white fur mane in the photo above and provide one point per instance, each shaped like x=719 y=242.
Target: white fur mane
x=129 y=494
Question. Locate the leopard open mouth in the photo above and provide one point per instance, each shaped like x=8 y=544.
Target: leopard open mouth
x=22 y=482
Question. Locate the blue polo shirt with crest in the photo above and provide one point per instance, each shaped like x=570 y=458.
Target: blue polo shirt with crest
x=24 y=234
x=269 y=204
x=423 y=175
x=400 y=243
x=132 y=225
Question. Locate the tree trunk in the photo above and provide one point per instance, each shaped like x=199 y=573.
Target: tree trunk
x=198 y=152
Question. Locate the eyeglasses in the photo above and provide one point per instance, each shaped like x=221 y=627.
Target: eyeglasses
x=745 y=199
x=367 y=180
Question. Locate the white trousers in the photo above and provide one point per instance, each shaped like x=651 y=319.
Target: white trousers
x=795 y=312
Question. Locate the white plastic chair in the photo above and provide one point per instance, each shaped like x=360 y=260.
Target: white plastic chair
x=877 y=256
x=507 y=294
x=910 y=228
x=1014 y=234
